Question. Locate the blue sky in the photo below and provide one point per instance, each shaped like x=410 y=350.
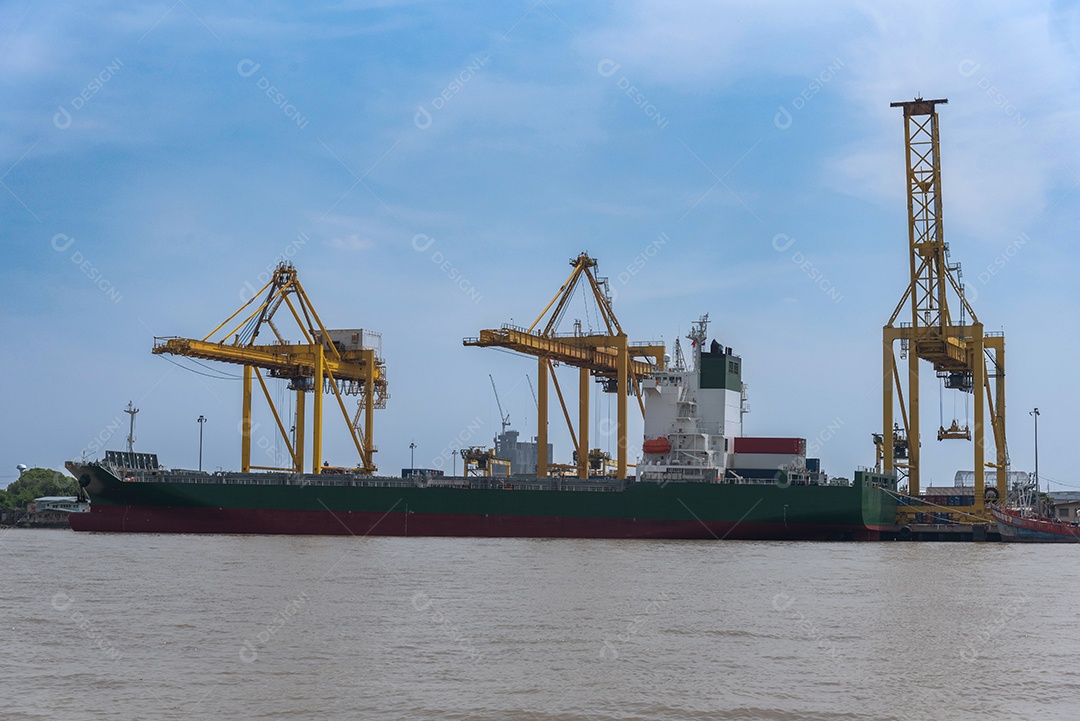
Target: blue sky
x=159 y=157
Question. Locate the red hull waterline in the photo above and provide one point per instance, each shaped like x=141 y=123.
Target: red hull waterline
x=145 y=519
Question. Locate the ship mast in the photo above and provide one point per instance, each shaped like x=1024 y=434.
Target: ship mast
x=680 y=360
x=697 y=336
x=131 y=410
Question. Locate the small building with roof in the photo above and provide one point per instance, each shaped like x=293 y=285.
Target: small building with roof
x=53 y=510
x=1066 y=505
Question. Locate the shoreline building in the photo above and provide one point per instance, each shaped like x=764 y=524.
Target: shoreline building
x=523 y=455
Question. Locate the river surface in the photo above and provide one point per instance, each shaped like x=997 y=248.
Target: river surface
x=114 y=626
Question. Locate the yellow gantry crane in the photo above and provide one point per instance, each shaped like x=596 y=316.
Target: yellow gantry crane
x=964 y=356
x=341 y=362
x=483 y=462
x=608 y=356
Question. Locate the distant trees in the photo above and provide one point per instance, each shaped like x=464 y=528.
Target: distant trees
x=35 y=483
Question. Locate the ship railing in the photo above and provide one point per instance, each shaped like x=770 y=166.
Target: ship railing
x=296 y=479
x=892 y=478
x=792 y=480
x=702 y=427
x=268 y=479
x=130 y=474
x=871 y=469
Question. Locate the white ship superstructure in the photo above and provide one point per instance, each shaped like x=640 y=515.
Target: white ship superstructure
x=693 y=414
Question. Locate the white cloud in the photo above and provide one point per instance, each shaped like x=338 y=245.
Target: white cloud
x=352 y=242
x=27 y=55
x=714 y=45
x=495 y=112
x=1011 y=91
x=181 y=174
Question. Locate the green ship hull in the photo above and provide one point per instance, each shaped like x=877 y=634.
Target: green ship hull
x=189 y=502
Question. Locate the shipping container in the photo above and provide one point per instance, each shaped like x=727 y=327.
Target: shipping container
x=353 y=339
x=795 y=446
x=945 y=496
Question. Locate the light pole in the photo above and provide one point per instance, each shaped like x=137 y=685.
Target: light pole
x=412 y=455
x=1035 y=413
x=201 y=419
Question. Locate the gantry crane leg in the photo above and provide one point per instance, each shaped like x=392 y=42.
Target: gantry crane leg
x=316 y=419
x=623 y=391
x=369 y=413
x=542 y=417
x=887 y=372
x=913 y=434
x=245 y=423
x=978 y=368
x=583 y=423
x=998 y=344
x=300 y=419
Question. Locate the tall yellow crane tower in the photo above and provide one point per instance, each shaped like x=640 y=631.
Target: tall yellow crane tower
x=964 y=356
x=608 y=356
x=341 y=362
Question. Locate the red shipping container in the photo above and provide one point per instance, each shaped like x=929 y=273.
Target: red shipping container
x=747 y=444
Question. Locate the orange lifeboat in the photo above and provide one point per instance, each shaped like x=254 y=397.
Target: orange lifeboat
x=656 y=445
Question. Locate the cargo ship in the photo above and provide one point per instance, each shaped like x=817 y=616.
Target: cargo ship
x=698 y=478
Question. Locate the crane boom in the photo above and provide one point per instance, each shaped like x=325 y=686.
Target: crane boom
x=504 y=420
x=532 y=390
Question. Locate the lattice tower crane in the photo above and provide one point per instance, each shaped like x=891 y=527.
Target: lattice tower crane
x=964 y=356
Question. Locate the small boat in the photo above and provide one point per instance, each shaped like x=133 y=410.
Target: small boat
x=1015 y=526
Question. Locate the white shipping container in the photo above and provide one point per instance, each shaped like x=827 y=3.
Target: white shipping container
x=355 y=339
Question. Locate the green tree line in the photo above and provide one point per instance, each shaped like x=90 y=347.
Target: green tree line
x=35 y=483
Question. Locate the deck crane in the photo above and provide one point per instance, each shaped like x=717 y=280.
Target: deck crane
x=608 y=356
x=504 y=420
x=964 y=355
x=340 y=362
